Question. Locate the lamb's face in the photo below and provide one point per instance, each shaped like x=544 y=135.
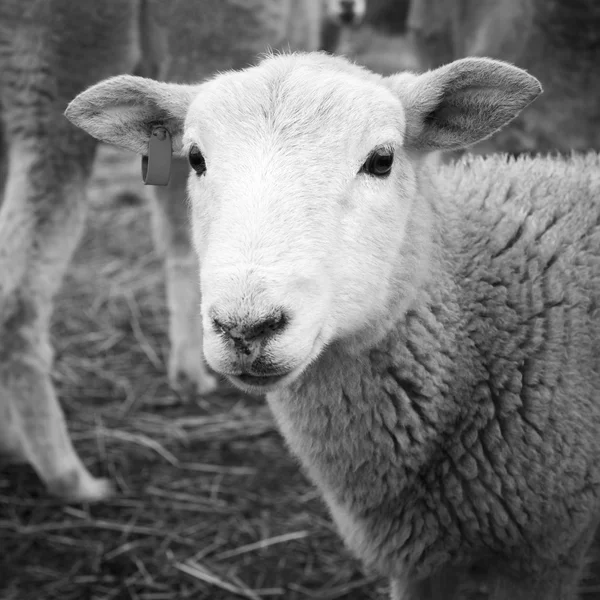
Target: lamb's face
x=300 y=192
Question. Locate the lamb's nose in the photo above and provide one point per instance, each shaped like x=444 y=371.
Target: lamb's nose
x=250 y=330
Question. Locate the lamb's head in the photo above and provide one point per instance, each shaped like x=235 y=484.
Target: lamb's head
x=303 y=188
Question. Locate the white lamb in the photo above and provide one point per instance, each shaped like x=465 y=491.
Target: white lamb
x=428 y=338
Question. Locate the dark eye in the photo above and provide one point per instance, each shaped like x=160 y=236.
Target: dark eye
x=379 y=163
x=197 y=161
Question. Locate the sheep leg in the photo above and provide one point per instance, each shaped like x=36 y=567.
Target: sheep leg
x=39 y=433
x=173 y=237
x=41 y=218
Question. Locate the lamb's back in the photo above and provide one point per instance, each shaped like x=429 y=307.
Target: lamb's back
x=524 y=239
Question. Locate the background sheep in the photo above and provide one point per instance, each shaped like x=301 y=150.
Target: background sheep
x=339 y=16
x=378 y=40
x=49 y=51
x=557 y=41
x=428 y=341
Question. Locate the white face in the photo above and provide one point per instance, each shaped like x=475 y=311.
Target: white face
x=346 y=12
x=297 y=241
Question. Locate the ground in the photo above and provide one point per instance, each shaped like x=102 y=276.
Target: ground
x=210 y=504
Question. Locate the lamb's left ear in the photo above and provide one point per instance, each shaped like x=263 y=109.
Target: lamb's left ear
x=123 y=110
x=461 y=103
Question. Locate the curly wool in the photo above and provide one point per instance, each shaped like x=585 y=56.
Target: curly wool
x=471 y=431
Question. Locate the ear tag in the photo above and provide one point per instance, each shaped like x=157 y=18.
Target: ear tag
x=156 y=167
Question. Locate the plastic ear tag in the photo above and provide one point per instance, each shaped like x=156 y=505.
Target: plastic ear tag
x=156 y=167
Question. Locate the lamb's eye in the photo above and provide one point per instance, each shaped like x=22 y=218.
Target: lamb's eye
x=379 y=163
x=197 y=161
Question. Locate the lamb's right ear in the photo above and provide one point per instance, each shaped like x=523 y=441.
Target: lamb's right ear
x=123 y=110
x=461 y=103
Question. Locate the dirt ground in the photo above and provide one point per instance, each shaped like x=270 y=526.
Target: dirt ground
x=210 y=503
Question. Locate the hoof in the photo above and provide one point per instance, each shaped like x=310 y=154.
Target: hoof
x=188 y=371
x=78 y=487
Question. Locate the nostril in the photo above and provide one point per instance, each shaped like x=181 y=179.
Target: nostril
x=251 y=329
x=220 y=326
x=268 y=326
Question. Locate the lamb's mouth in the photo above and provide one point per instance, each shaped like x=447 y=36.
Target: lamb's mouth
x=259 y=380
x=261 y=384
x=257 y=383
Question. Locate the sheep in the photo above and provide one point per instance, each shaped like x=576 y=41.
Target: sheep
x=49 y=52
x=388 y=16
x=427 y=337
x=557 y=41
x=373 y=33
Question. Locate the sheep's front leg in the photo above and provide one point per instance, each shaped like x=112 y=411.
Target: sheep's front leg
x=173 y=237
x=41 y=218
